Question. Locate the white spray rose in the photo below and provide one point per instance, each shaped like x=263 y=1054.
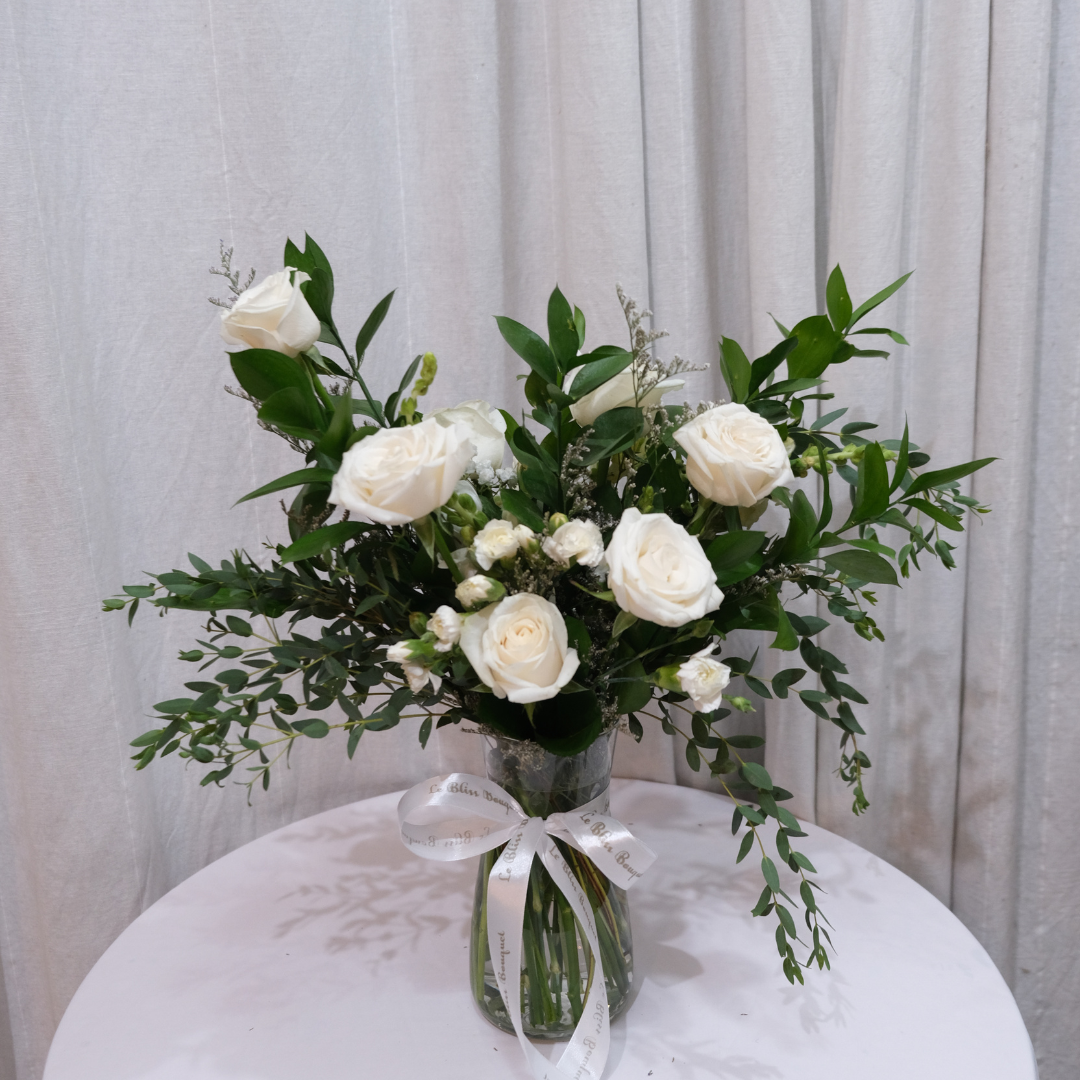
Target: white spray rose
x=496 y=540
x=734 y=456
x=445 y=624
x=478 y=590
x=419 y=675
x=486 y=427
x=658 y=571
x=580 y=539
x=703 y=679
x=519 y=648
x=400 y=474
x=616 y=392
x=272 y=315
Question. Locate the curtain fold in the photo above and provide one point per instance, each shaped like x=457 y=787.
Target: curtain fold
x=717 y=160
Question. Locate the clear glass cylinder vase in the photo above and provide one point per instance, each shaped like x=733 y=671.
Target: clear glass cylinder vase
x=556 y=962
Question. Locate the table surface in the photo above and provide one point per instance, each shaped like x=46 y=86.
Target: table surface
x=327 y=950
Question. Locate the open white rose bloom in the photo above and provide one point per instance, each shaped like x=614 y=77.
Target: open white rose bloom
x=575 y=563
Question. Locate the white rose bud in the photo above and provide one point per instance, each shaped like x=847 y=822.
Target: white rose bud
x=658 y=571
x=613 y=394
x=445 y=624
x=419 y=675
x=274 y=315
x=576 y=539
x=734 y=456
x=478 y=590
x=496 y=540
x=486 y=427
x=519 y=648
x=401 y=653
x=703 y=679
x=400 y=474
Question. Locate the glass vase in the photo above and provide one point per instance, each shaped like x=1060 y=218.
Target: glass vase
x=556 y=962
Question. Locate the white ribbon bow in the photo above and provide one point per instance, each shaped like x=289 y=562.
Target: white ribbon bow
x=458 y=815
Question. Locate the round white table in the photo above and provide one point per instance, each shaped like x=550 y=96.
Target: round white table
x=326 y=951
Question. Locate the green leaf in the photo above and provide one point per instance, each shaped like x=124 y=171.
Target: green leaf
x=735 y=369
x=293 y=479
x=294 y=411
x=946 y=476
x=623 y=621
x=395 y=397
x=263 y=372
x=562 y=330
x=765 y=365
x=530 y=347
x=783 y=679
x=837 y=300
x=523 y=508
x=174 y=706
x=315 y=543
x=139 y=590
x=901 y=467
x=693 y=757
x=612 y=432
x=872 y=489
x=238 y=626
x=745 y=742
x=818 y=343
x=941 y=516
x=372 y=324
x=876 y=299
x=732 y=549
x=864 y=565
x=897 y=337
x=768 y=872
x=786 y=637
x=801 y=527
x=597 y=372
x=828 y=418
x=756 y=775
x=313 y=728
x=147 y=738
x=745 y=846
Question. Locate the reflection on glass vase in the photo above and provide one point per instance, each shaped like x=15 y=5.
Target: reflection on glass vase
x=556 y=961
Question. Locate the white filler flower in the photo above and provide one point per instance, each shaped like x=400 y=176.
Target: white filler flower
x=734 y=456
x=703 y=679
x=400 y=474
x=272 y=315
x=519 y=648
x=576 y=539
x=658 y=571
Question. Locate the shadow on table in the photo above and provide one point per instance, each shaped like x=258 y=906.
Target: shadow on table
x=382 y=900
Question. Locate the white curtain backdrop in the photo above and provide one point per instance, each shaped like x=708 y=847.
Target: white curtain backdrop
x=717 y=159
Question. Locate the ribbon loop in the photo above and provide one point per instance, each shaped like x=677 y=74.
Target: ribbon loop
x=488 y=816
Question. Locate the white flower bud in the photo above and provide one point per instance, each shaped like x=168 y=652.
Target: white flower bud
x=419 y=675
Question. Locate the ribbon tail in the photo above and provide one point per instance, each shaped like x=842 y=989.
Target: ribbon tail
x=586 y=1054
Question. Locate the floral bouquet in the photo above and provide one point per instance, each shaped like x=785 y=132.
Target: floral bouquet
x=552 y=576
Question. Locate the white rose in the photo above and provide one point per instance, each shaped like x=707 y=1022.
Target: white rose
x=419 y=675
x=445 y=624
x=496 y=540
x=272 y=315
x=518 y=647
x=478 y=590
x=576 y=539
x=616 y=392
x=703 y=679
x=400 y=474
x=734 y=456
x=486 y=427
x=658 y=571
